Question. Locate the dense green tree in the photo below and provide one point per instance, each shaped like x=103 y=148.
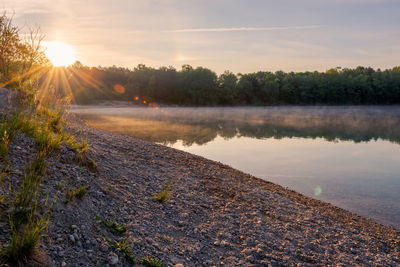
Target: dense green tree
x=202 y=87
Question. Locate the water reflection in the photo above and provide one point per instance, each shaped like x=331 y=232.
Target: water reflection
x=348 y=156
x=202 y=125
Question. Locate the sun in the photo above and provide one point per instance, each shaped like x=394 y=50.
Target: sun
x=59 y=53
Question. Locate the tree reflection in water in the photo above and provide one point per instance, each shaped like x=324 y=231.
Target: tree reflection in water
x=202 y=125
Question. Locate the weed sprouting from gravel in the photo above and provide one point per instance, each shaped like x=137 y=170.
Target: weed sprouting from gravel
x=113 y=226
x=4 y=142
x=124 y=247
x=149 y=261
x=26 y=232
x=81 y=148
x=167 y=238
x=163 y=195
x=78 y=192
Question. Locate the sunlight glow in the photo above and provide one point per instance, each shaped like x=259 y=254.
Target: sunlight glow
x=59 y=53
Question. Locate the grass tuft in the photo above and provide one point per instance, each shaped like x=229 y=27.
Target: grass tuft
x=149 y=261
x=113 y=225
x=79 y=193
x=24 y=240
x=5 y=141
x=163 y=195
x=167 y=238
x=124 y=248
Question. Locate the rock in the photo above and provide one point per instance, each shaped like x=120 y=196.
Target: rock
x=76 y=236
x=63 y=264
x=113 y=258
x=72 y=238
x=104 y=248
x=8 y=99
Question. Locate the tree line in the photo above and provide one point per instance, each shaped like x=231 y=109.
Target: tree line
x=203 y=87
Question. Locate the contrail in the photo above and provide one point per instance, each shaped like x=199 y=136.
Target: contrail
x=278 y=28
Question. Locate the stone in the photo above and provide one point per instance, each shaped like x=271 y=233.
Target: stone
x=113 y=258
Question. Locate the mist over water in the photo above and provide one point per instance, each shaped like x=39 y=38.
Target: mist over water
x=348 y=156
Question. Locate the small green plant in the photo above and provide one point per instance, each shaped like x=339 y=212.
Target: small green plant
x=114 y=226
x=78 y=192
x=81 y=147
x=8 y=130
x=25 y=239
x=2 y=196
x=38 y=166
x=167 y=238
x=163 y=195
x=124 y=247
x=26 y=198
x=4 y=138
x=45 y=140
x=151 y=262
x=54 y=117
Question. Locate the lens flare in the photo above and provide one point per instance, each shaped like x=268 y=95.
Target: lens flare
x=317 y=191
x=119 y=88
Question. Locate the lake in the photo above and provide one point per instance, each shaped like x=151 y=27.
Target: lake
x=347 y=156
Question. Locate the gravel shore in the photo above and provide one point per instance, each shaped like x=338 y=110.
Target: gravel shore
x=214 y=215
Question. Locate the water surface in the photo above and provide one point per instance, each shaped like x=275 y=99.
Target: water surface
x=348 y=156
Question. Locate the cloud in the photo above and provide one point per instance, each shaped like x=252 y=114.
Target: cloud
x=277 y=28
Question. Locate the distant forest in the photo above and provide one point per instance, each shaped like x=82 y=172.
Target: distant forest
x=203 y=87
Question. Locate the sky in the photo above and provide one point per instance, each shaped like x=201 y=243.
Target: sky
x=237 y=35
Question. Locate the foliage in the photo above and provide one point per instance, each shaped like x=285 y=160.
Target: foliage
x=113 y=225
x=151 y=262
x=202 y=87
x=27 y=224
x=4 y=141
x=163 y=195
x=22 y=60
x=78 y=192
x=167 y=238
x=25 y=239
x=124 y=248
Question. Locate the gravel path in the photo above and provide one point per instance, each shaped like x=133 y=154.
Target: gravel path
x=214 y=216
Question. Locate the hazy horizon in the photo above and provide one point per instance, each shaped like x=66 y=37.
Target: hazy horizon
x=221 y=35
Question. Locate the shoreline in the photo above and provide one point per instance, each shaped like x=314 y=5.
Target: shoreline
x=244 y=195
x=215 y=215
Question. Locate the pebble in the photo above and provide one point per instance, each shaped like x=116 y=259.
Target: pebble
x=104 y=248
x=113 y=258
